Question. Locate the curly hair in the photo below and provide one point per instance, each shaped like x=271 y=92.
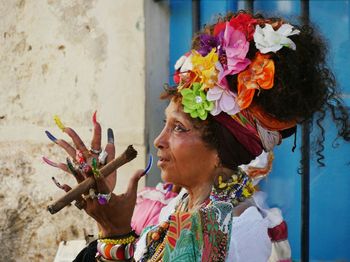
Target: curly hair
x=304 y=85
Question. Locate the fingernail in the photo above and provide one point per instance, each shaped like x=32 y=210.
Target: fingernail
x=149 y=165
x=49 y=162
x=94 y=163
x=59 y=123
x=110 y=136
x=56 y=182
x=169 y=187
x=64 y=187
x=50 y=136
x=71 y=167
x=94 y=121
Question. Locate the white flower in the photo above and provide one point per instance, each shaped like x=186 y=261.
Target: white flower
x=184 y=63
x=268 y=40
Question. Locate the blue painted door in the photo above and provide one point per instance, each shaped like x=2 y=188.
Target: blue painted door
x=330 y=185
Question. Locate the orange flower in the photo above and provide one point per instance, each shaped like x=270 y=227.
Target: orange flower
x=260 y=74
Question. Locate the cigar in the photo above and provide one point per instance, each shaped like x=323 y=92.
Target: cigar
x=129 y=154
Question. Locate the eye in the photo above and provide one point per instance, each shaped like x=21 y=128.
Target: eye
x=180 y=128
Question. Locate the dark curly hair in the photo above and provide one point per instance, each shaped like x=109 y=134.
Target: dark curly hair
x=304 y=86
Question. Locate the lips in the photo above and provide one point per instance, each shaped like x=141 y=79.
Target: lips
x=162 y=160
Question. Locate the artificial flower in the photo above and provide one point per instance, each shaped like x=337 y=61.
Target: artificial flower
x=244 y=23
x=235 y=47
x=225 y=101
x=268 y=40
x=184 y=63
x=195 y=102
x=207 y=43
x=260 y=74
x=219 y=27
x=184 y=76
x=204 y=67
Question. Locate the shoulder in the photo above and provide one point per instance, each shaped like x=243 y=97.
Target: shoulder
x=249 y=237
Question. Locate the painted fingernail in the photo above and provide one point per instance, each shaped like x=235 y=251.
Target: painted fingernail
x=71 y=167
x=110 y=136
x=57 y=183
x=59 y=123
x=95 y=171
x=49 y=162
x=169 y=187
x=64 y=187
x=50 y=136
x=94 y=121
x=94 y=163
x=149 y=165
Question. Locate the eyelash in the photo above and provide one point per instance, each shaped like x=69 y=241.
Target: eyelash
x=178 y=127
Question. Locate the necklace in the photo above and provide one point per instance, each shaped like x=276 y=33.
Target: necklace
x=234 y=189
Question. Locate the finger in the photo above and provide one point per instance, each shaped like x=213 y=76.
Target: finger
x=64 y=187
x=102 y=186
x=75 y=172
x=133 y=183
x=79 y=144
x=110 y=149
x=76 y=139
x=110 y=136
x=61 y=166
x=67 y=147
x=96 y=138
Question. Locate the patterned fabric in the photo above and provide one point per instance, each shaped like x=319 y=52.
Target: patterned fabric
x=203 y=234
x=199 y=236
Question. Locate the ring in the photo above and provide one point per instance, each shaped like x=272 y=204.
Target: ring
x=102 y=157
x=92 y=194
x=95 y=151
x=104 y=198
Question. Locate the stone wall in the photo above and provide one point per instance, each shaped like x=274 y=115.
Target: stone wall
x=68 y=58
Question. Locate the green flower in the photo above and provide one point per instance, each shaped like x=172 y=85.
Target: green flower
x=195 y=101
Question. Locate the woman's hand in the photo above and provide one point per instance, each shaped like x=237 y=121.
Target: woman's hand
x=114 y=217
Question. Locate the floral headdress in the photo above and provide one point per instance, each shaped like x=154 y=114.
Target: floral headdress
x=201 y=78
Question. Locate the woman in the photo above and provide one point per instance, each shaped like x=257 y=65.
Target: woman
x=244 y=86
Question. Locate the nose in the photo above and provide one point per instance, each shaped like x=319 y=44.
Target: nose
x=161 y=140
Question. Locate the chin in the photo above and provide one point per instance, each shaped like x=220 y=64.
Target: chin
x=166 y=177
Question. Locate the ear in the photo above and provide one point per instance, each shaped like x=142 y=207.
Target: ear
x=217 y=161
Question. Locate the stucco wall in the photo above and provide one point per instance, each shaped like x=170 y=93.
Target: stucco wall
x=67 y=58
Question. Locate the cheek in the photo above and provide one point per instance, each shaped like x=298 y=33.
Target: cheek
x=190 y=155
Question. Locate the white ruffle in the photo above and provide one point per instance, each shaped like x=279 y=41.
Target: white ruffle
x=249 y=238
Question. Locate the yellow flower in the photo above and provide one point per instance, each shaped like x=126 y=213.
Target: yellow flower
x=204 y=67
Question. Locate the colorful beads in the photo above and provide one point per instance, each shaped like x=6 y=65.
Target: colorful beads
x=155 y=236
x=121 y=241
x=115 y=251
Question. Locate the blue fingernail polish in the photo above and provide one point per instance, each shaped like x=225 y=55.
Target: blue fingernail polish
x=110 y=136
x=149 y=165
x=50 y=136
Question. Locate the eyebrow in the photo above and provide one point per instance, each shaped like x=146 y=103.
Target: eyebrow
x=177 y=115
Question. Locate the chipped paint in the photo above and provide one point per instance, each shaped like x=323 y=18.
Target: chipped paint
x=67 y=58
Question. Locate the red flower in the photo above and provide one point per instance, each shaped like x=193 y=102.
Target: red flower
x=219 y=27
x=244 y=23
x=176 y=77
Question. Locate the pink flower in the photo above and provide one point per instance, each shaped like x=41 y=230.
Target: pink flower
x=225 y=101
x=235 y=48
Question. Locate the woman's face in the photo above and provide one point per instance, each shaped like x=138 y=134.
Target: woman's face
x=184 y=158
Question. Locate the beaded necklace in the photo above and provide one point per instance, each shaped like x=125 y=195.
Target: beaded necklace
x=234 y=189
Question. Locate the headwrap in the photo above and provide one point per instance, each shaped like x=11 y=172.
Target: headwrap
x=243 y=49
